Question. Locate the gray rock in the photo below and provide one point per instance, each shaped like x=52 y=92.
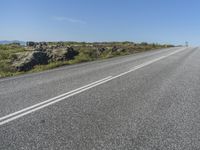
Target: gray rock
x=71 y=53
x=61 y=54
x=121 y=50
x=114 y=49
x=27 y=60
x=30 y=44
x=101 y=50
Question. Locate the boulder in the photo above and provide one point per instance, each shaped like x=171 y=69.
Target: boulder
x=121 y=50
x=27 y=60
x=43 y=43
x=71 y=53
x=94 y=53
x=30 y=44
x=61 y=54
x=39 y=47
x=116 y=49
x=101 y=50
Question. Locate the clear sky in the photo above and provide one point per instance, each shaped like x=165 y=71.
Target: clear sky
x=162 y=21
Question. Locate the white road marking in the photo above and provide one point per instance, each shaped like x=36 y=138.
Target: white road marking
x=155 y=60
x=31 y=109
x=9 y=119
x=52 y=99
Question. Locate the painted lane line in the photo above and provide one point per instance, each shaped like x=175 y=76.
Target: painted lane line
x=52 y=99
x=154 y=60
x=44 y=104
x=50 y=103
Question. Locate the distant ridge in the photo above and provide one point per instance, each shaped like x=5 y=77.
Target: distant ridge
x=14 y=41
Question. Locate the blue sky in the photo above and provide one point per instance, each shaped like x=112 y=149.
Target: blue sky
x=162 y=21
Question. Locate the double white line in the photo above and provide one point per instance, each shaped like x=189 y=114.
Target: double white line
x=33 y=108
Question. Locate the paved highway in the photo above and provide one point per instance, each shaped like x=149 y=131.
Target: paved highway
x=149 y=100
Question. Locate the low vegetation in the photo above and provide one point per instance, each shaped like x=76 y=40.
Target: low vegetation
x=16 y=59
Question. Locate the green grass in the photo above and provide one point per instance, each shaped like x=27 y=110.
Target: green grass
x=7 y=55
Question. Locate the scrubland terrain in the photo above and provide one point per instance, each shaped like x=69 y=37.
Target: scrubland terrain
x=38 y=56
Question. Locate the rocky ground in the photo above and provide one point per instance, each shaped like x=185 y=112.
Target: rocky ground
x=41 y=53
x=15 y=58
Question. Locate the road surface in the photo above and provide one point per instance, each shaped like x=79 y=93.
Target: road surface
x=149 y=100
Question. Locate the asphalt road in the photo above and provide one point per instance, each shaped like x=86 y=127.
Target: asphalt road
x=147 y=101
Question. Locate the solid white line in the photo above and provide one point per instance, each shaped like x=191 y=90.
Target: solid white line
x=155 y=60
x=50 y=103
x=54 y=100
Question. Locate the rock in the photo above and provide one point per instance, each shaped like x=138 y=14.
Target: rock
x=71 y=53
x=121 y=50
x=27 y=60
x=39 y=47
x=114 y=49
x=43 y=43
x=101 y=50
x=60 y=44
x=56 y=54
x=94 y=54
x=30 y=44
x=62 y=54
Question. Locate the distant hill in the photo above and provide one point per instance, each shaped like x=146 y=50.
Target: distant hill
x=10 y=42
